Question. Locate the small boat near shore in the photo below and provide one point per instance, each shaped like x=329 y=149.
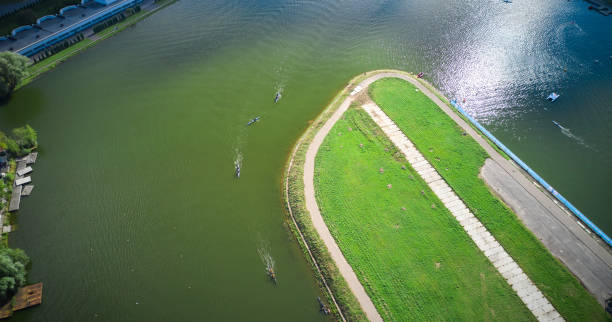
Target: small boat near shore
x=253 y=120
x=322 y=307
x=420 y=75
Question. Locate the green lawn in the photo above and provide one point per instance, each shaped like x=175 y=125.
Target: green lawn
x=411 y=255
x=458 y=159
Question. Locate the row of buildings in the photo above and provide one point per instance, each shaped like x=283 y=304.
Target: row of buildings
x=49 y=30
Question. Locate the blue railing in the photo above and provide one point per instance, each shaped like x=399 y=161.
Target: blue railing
x=539 y=179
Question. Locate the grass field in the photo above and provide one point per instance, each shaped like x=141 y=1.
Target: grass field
x=458 y=159
x=411 y=255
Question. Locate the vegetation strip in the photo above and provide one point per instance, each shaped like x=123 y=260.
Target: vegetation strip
x=434 y=128
x=303 y=240
x=514 y=275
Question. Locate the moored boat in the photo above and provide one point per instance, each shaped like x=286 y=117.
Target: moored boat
x=552 y=97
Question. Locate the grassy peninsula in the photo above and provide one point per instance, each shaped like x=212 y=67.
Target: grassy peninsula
x=413 y=258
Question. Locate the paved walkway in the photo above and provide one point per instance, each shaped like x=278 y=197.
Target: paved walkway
x=507 y=267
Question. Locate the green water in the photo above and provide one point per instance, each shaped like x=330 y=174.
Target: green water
x=136 y=215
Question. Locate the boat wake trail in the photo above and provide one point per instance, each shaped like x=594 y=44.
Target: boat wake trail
x=267 y=260
x=279 y=84
x=567 y=132
x=237 y=162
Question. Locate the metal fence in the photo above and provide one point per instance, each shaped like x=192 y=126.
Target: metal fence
x=539 y=179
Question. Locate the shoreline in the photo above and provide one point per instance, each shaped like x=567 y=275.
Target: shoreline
x=91 y=40
x=307 y=137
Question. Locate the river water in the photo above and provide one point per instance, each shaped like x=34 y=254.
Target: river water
x=136 y=215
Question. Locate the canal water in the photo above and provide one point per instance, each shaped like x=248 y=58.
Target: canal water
x=136 y=214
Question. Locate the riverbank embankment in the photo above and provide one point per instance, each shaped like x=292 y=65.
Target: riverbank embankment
x=547 y=273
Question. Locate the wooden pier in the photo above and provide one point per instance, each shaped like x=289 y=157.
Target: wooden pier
x=24 y=171
x=22 y=181
x=27 y=190
x=31 y=158
x=19 y=190
x=15 y=198
x=27 y=296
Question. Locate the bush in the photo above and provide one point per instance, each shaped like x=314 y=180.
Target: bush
x=25 y=136
x=22 y=142
x=13 y=263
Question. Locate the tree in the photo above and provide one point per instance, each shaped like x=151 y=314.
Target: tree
x=13 y=263
x=12 y=71
x=25 y=136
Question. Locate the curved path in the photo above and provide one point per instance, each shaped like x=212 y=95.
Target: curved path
x=315 y=215
x=579 y=245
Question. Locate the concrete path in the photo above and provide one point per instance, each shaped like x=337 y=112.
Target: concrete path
x=507 y=267
x=558 y=230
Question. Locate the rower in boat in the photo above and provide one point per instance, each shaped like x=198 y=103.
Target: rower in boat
x=558 y=125
x=278 y=97
x=420 y=75
x=253 y=120
x=271 y=273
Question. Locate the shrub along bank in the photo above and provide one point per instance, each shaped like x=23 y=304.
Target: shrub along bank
x=458 y=159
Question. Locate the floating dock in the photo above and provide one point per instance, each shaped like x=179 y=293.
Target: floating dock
x=27 y=190
x=31 y=158
x=21 y=164
x=15 y=198
x=27 y=296
x=24 y=171
x=21 y=181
